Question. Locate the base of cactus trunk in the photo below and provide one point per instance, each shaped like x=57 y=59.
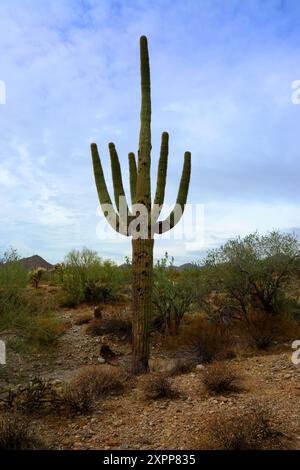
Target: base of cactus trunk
x=142 y=270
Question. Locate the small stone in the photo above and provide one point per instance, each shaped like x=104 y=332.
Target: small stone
x=101 y=360
x=200 y=367
x=222 y=398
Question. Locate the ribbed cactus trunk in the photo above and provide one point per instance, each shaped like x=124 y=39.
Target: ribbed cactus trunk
x=142 y=268
x=140 y=189
x=142 y=249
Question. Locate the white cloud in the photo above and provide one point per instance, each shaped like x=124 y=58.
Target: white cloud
x=222 y=90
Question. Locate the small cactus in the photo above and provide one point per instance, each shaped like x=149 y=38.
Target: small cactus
x=97 y=312
x=36 y=275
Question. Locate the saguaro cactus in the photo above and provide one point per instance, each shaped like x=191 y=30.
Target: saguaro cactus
x=127 y=222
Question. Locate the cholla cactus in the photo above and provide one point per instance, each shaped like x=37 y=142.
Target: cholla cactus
x=36 y=275
x=59 y=269
x=142 y=221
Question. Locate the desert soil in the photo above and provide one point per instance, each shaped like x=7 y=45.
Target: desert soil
x=129 y=422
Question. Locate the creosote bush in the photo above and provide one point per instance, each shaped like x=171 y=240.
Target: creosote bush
x=252 y=430
x=16 y=434
x=91 y=383
x=156 y=386
x=219 y=378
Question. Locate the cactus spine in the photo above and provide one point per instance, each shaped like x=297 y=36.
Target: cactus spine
x=140 y=190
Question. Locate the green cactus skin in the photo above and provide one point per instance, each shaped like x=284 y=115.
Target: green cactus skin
x=132 y=176
x=140 y=191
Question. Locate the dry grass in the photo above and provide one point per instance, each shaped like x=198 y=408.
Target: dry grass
x=219 y=378
x=264 y=329
x=82 y=319
x=201 y=341
x=182 y=366
x=91 y=383
x=110 y=326
x=156 y=386
x=16 y=434
x=252 y=430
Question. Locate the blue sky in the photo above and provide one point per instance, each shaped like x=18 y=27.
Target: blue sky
x=221 y=75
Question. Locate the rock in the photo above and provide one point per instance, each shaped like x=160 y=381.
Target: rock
x=200 y=367
x=106 y=353
x=101 y=360
x=97 y=312
x=224 y=399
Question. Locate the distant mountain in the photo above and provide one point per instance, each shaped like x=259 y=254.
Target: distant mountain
x=124 y=265
x=34 y=262
x=185 y=266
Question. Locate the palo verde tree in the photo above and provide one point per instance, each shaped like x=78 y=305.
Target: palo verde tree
x=251 y=273
x=141 y=222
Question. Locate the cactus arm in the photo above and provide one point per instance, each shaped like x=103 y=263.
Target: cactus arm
x=103 y=194
x=161 y=177
x=104 y=197
x=132 y=176
x=175 y=216
x=117 y=178
x=143 y=187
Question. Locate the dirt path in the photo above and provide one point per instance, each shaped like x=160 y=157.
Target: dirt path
x=128 y=422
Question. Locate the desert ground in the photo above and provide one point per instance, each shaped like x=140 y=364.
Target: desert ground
x=127 y=420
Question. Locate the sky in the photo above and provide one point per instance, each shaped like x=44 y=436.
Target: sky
x=221 y=77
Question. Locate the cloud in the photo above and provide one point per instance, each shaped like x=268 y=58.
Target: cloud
x=221 y=76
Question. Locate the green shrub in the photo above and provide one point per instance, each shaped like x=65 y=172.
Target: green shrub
x=250 y=273
x=44 y=329
x=13 y=280
x=89 y=279
x=174 y=292
x=24 y=312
